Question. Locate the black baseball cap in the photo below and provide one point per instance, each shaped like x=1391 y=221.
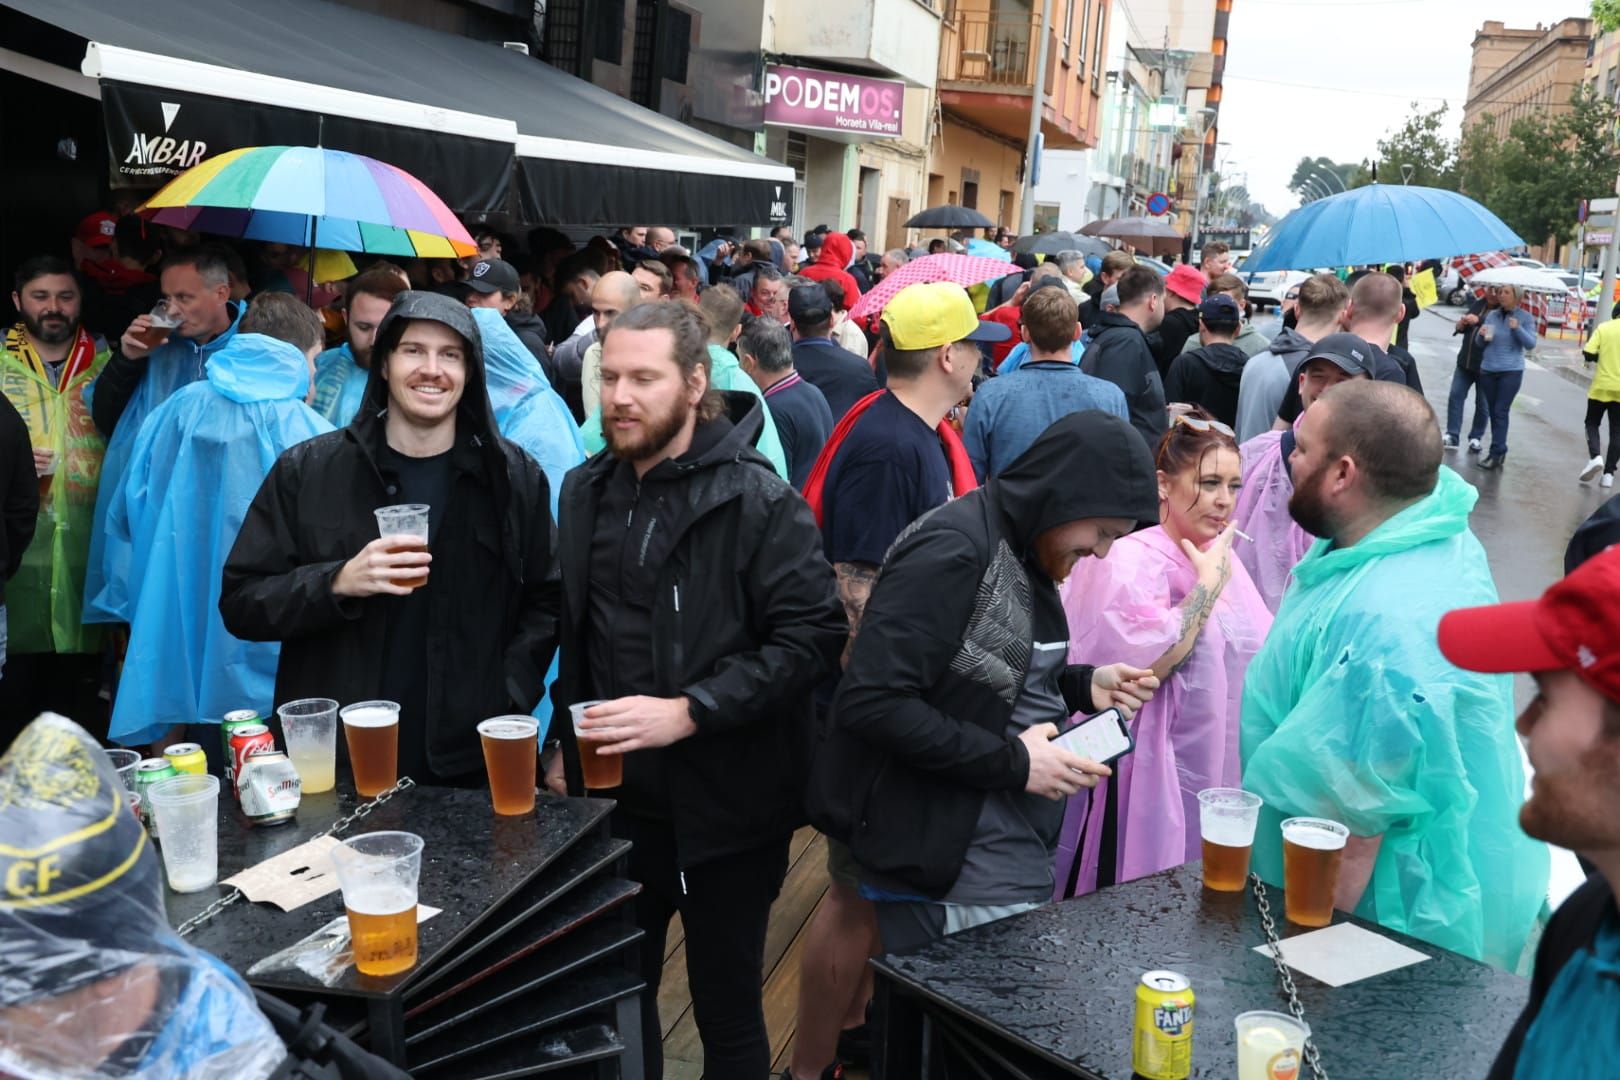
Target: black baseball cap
x=1349 y=352
x=492 y=276
x=809 y=304
x=1219 y=309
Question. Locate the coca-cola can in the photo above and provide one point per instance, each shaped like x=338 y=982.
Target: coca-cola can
x=270 y=788
x=244 y=741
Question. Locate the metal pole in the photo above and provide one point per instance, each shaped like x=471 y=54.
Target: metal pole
x=1606 y=290
x=1037 y=102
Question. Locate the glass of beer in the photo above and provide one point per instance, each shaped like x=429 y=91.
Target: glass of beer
x=601 y=771
x=309 y=727
x=165 y=321
x=511 y=752
x=1312 y=850
x=378 y=875
x=407 y=525
x=46 y=473
x=371 y=728
x=1226 y=821
x=1270 y=1045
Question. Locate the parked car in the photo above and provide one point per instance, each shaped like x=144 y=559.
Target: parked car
x=1159 y=266
x=1268 y=287
x=1534 y=264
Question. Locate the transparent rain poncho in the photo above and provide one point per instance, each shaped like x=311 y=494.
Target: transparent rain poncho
x=1351 y=713
x=93 y=982
x=340 y=385
x=1262 y=512
x=527 y=409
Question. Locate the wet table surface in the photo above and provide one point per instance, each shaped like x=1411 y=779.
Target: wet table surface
x=1056 y=987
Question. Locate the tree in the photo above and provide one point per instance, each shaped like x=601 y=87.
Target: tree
x=1479 y=161
x=1422 y=145
x=1607 y=14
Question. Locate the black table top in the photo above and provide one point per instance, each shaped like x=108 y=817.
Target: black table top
x=472 y=860
x=1061 y=981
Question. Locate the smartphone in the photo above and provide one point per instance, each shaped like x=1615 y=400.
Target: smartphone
x=1104 y=738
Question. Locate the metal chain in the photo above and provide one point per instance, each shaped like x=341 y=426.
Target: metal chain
x=404 y=783
x=1312 y=1056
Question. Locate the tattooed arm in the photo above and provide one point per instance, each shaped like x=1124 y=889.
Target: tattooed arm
x=854 y=589
x=1214 y=568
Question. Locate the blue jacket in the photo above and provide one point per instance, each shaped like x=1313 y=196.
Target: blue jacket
x=1010 y=412
x=527 y=410
x=1505 y=350
x=340 y=385
x=1020 y=356
x=200 y=458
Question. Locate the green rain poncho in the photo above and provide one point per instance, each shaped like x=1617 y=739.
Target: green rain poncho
x=1351 y=713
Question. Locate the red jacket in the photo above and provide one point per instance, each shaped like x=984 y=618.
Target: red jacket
x=836 y=253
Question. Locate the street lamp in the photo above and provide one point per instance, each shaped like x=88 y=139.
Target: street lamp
x=1318 y=171
x=1314 y=186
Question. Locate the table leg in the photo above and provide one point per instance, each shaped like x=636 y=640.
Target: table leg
x=902 y=1033
x=627 y=1016
x=387 y=1035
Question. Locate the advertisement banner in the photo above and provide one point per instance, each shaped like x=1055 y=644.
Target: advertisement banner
x=833 y=101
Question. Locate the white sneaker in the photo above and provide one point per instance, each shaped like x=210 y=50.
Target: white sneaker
x=1607 y=481
x=1474 y=447
x=1592 y=468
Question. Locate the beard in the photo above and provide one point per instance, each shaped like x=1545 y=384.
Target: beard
x=50 y=329
x=1577 y=810
x=655 y=432
x=1306 y=507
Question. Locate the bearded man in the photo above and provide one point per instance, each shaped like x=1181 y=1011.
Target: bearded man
x=699 y=611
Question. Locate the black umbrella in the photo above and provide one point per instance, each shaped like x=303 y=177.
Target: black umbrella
x=949 y=217
x=1150 y=234
x=1050 y=243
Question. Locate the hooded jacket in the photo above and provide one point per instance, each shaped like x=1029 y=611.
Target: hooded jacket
x=1265 y=382
x=492 y=592
x=1179 y=327
x=199 y=460
x=836 y=252
x=340 y=385
x=1209 y=376
x=531 y=330
x=918 y=731
x=1351 y=713
x=1121 y=354
x=745 y=621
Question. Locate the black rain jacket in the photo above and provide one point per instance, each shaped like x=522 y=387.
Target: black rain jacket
x=1120 y=353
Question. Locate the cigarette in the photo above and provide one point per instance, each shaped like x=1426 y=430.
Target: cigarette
x=1244 y=535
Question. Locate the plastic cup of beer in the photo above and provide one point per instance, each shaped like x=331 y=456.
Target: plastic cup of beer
x=408 y=525
x=1226 y=821
x=165 y=321
x=1270 y=1046
x=371 y=728
x=46 y=474
x=511 y=753
x=124 y=763
x=378 y=874
x=187 y=809
x=1312 y=850
x=601 y=771
x=309 y=726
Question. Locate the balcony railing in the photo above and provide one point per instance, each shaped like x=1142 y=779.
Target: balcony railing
x=984 y=49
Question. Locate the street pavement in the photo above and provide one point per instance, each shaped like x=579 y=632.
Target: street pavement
x=1528 y=509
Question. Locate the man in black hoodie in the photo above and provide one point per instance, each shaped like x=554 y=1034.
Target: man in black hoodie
x=494 y=283
x=1211 y=374
x=1119 y=350
x=938 y=770
x=456 y=634
x=697 y=602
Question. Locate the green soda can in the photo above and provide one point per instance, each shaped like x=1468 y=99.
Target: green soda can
x=151 y=771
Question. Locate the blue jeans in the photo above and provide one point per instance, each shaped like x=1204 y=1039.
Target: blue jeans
x=1461 y=382
x=1500 y=388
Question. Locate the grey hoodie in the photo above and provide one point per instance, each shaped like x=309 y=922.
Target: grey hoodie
x=1265 y=381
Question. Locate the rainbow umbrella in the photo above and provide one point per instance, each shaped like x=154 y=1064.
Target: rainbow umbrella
x=311 y=197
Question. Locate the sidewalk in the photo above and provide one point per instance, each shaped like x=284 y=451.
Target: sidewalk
x=1559 y=351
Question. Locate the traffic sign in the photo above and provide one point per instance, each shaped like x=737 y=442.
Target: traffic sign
x=1158 y=203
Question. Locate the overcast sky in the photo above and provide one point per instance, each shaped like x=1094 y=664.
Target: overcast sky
x=1330 y=77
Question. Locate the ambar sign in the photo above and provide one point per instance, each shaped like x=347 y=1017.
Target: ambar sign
x=833 y=101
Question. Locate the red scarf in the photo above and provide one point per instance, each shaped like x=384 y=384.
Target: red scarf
x=963 y=478
x=114 y=277
x=79 y=358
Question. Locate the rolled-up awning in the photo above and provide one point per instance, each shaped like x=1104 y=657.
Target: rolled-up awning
x=181 y=81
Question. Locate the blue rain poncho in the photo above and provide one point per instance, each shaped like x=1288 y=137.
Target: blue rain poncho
x=724 y=374
x=1351 y=713
x=528 y=411
x=200 y=458
x=176 y=363
x=340 y=385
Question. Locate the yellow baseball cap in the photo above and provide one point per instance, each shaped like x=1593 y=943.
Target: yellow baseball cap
x=934 y=313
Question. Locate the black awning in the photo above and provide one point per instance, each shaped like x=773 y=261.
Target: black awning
x=452 y=111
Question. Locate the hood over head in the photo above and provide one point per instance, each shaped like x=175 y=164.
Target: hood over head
x=510 y=369
x=1087 y=465
x=257 y=367
x=474 y=411
x=837 y=251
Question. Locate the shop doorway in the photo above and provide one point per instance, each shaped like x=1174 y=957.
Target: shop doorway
x=894 y=228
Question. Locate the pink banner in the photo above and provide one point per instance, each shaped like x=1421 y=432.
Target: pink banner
x=833 y=101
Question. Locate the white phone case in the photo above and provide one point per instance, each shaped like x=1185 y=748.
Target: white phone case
x=1101 y=738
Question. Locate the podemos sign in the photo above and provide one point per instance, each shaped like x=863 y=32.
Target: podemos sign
x=832 y=101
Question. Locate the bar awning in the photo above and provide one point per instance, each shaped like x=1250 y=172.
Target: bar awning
x=180 y=81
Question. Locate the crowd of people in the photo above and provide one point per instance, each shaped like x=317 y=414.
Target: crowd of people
x=855 y=572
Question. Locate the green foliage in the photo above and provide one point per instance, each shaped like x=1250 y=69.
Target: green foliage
x=1607 y=13
x=1419 y=152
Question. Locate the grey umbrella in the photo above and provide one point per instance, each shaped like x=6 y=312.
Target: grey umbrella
x=1148 y=234
x=949 y=217
x=1050 y=243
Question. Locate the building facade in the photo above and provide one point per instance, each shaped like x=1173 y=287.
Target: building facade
x=1517 y=73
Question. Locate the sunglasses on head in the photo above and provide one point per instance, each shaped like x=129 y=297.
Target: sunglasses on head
x=1198 y=423
x=1292 y=296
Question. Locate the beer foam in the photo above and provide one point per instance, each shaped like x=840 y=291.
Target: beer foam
x=371 y=718
x=1313 y=837
x=386 y=899
x=1227 y=832
x=508 y=729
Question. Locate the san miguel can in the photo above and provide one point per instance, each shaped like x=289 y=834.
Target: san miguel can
x=1161 y=1048
x=151 y=771
x=270 y=788
x=187 y=757
x=244 y=741
x=233 y=721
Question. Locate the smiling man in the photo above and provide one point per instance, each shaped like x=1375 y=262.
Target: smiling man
x=455 y=634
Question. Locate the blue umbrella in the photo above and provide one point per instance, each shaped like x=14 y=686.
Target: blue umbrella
x=988 y=249
x=1381 y=223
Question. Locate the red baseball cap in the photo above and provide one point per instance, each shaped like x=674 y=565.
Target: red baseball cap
x=1575 y=626
x=96 y=230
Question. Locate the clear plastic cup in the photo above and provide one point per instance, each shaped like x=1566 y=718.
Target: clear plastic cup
x=309 y=726
x=124 y=762
x=600 y=771
x=187 y=809
x=1270 y=1046
x=371 y=728
x=511 y=755
x=378 y=873
x=1226 y=822
x=408 y=522
x=1312 y=851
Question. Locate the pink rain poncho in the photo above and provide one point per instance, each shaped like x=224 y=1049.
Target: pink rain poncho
x=1262 y=512
x=1124 y=609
